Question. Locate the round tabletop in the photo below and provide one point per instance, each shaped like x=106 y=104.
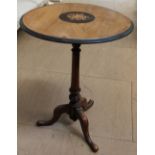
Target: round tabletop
x=76 y=23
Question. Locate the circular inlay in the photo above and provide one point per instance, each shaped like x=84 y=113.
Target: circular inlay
x=77 y=17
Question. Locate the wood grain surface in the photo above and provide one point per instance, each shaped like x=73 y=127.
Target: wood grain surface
x=45 y=23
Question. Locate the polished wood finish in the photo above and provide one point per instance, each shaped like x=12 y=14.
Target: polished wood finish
x=76 y=24
x=45 y=23
x=77 y=105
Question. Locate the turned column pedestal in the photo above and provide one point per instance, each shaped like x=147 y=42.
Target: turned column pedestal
x=77 y=104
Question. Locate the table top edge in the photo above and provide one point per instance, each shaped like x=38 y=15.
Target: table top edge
x=76 y=41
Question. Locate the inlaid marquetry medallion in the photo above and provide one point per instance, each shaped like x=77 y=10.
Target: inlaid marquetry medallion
x=77 y=17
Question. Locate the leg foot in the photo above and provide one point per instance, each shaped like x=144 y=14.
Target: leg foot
x=86 y=104
x=56 y=115
x=84 y=125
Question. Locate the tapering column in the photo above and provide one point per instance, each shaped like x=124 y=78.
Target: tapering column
x=75 y=84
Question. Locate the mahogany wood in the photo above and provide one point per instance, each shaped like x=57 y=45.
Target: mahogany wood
x=76 y=24
x=77 y=105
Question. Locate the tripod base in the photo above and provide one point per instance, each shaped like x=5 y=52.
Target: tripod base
x=74 y=113
x=77 y=105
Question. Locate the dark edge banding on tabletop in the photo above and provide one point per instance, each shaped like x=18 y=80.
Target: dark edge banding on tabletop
x=76 y=41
